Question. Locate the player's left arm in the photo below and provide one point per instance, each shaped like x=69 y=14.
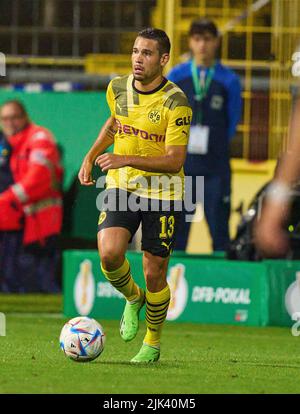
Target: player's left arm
x=171 y=161
x=234 y=106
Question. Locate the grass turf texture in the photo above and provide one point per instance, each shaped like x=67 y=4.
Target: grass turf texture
x=195 y=358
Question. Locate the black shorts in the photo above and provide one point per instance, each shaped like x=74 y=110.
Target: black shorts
x=160 y=219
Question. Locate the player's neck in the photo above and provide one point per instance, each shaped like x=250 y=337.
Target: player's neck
x=148 y=87
x=206 y=62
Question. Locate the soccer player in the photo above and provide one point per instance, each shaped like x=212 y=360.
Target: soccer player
x=149 y=126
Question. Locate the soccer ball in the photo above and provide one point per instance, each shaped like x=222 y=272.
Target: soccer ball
x=82 y=339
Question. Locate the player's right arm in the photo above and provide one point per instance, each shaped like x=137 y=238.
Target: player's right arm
x=105 y=139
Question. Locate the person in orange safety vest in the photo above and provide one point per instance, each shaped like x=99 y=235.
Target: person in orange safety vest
x=31 y=207
x=34 y=201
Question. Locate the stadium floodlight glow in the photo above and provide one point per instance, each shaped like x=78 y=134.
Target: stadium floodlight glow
x=2 y=325
x=2 y=64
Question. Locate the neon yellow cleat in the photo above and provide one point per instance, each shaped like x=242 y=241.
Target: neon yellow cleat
x=129 y=324
x=147 y=354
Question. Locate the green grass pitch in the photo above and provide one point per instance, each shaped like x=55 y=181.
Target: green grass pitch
x=195 y=358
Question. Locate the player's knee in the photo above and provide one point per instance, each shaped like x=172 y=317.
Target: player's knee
x=111 y=259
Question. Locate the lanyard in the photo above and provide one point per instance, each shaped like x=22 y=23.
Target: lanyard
x=201 y=85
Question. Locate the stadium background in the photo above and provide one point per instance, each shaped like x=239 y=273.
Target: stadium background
x=77 y=46
x=60 y=56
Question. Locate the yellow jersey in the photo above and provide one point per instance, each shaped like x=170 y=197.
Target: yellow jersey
x=147 y=122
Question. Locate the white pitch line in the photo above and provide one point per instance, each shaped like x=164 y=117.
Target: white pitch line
x=37 y=315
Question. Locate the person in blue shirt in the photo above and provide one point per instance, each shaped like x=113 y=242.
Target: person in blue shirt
x=214 y=93
x=6 y=178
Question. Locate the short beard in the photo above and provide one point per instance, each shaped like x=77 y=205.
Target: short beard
x=145 y=81
x=140 y=79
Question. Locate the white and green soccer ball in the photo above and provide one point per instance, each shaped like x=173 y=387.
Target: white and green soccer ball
x=82 y=339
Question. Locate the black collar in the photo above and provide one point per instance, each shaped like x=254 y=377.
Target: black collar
x=165 y=80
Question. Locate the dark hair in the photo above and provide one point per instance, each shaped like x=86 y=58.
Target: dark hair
x=202 y=26
x=160 y=36
x=17 y=103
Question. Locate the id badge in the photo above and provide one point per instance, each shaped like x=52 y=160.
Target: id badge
x=198 y=142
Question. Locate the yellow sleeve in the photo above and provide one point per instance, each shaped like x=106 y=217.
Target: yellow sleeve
x=110 y=98
x=179 y=123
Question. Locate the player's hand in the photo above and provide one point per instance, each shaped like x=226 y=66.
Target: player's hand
x=270 y=237
x=85 y=173
x=110 y=161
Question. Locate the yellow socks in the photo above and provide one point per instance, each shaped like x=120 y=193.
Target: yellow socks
x=156 y=303
x=122 y=280
x=156 y=311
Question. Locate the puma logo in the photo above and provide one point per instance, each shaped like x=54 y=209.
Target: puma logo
x=184 y=132
x=166 y=245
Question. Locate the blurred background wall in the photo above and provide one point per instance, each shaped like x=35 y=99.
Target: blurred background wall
x=61 y=54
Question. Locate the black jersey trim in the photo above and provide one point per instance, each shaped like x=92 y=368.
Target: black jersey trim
x=165 y=80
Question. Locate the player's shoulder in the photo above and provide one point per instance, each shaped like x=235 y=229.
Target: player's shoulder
x=180 y=72
x=174 y=97
x=118 y=84
x=225 y=74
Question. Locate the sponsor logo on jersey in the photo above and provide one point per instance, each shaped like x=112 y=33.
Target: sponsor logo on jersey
x=186 y=120
x=130 y=130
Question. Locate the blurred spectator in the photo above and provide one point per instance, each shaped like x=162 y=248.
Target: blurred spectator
x=30 y=203
x=214 y=94
x=271 y=235
x=5 y=174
